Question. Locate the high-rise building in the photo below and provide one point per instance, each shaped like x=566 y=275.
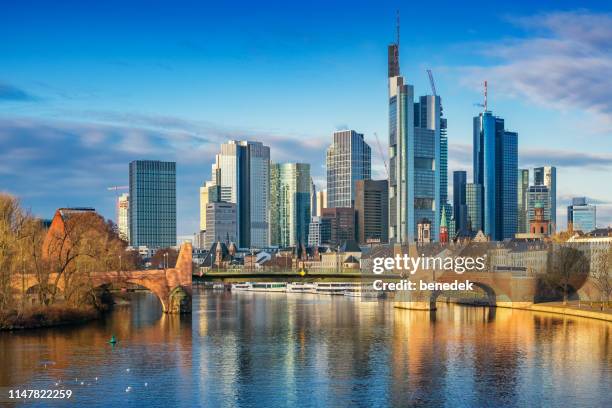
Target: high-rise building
x=459 y=201
x=123 y=217
x=290 y=196
x=581 y=216
x=547 y=176
x=495 y=168
x=321 y=202
x=221 y=223
x=415 y=202
x=242 y=170
x=152 y=205
x=473 y=200
x=348 y=160
x=209 y=193
x=372 y=210
x=319 y=231
x=313 y=198
x=342 y=224
x=539 y=196
x=522 y=187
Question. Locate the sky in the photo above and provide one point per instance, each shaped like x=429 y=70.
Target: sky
x=87 y=87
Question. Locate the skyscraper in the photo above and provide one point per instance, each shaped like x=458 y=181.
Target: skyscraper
x=547 y=176
x=372 y=210
x=348 y=160
x=321 y=202
x=123 y=217
x=242 y=170
x=459 y=201
x=473 y=200
x=319 y=231
x=342 y=224
x=522 y=187
x=152 y=205
x=290 y=195
x=539 y=196
x=414 y=158
x=495 y=168
x=581 y=216
x=221 y=223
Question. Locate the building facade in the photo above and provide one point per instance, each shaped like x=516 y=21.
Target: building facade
x=495 y=168
x=522 y=188
x=473 y=200
x=242 y=169
x=372 y=211
x=152 y=204
x=348 y=160
x=319 y=231
x=581 y=216
x=221 y=223
x=539 y=196
x=290 y=200
x=123 y=217
x=459 y=201
x=342 y=224
x=547 y=176
x=321 y=202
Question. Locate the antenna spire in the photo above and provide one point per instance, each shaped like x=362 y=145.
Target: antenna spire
x=398 y=27
x=485 y=96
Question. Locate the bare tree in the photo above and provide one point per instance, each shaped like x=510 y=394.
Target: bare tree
x=602 y=273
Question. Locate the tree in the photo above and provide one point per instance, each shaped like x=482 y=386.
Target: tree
x=602 y=272
x=164 y=258
x=568 y=267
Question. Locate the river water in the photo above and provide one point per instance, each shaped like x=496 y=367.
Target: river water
x=302 y=350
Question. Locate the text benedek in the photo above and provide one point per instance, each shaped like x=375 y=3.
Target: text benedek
x=405 y=284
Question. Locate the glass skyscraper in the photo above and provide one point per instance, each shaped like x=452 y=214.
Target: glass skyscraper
x=522 y=187
x=495 y=168
x=474 y=200
x=152 y=204
x=459 y=201
x=242 y=170
x=348 y=160
x=290 y=204
x=581 y=216
x=539 y=195
x=547 y=176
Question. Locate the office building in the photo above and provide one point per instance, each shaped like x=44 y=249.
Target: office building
x=321 y=202
x=522 y=187
x=547 y=176
x=415 y=164
x=372 y=211
x=342 y=224
x=495 y=168
x=123 y=217
x=473 y=200
x=459 y=202
x=319 y=231
x=290 y=199
x=221 y=223
x=313 y=198
x=348 y=160
x=581 y=216
x=539 y=196
x=152 y=204
x=242 y=170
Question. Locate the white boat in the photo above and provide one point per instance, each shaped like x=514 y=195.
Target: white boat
x=268 y=287
x=300 y=287
x=218 y=286
x=334 y=288
x=241 y=286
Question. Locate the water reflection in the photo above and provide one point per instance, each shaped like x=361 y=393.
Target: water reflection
x=278 y=350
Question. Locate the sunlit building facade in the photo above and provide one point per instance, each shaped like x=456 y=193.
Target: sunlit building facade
x=290 y=200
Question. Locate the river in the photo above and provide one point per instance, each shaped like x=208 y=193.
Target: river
x=289 y=350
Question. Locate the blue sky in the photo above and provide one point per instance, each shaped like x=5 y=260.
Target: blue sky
x=86 y=87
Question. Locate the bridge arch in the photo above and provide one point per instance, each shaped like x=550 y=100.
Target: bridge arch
x=490 y=292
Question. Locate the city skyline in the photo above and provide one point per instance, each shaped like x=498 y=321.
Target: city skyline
x=43 y=124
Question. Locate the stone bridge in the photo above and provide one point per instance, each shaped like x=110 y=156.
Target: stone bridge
x=172 y=285
x=503 y=289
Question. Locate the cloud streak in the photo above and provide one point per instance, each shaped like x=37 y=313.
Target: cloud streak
x=10 y=93
x=564 y=63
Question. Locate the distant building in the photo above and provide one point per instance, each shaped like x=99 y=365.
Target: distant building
x=495 y=168
x=547 y=176
x=242 y=170
x=313 y=198
x=539 y=195
x=581 y=216
x=221 y=223
x=459 y=201
x=209 y=193
x=342 y=224
x=152 y=204
x=523 y=186
x=321 y=202
x=290 y=197
x=372 y=210
x=348 y=160
x=443 y=229
x=539 y=224
x=319 y=231
x=473 y=199
x=123 y=217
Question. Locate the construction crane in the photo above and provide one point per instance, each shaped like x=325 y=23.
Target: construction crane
x=484 y=105
x=116 y=190
x=382 y=155
x=431 y=82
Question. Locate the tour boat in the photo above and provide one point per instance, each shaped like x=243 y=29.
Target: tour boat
x=218 y=286
x=241 y=286
x=268 y=287
x=300 y=287
x=334 y=288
